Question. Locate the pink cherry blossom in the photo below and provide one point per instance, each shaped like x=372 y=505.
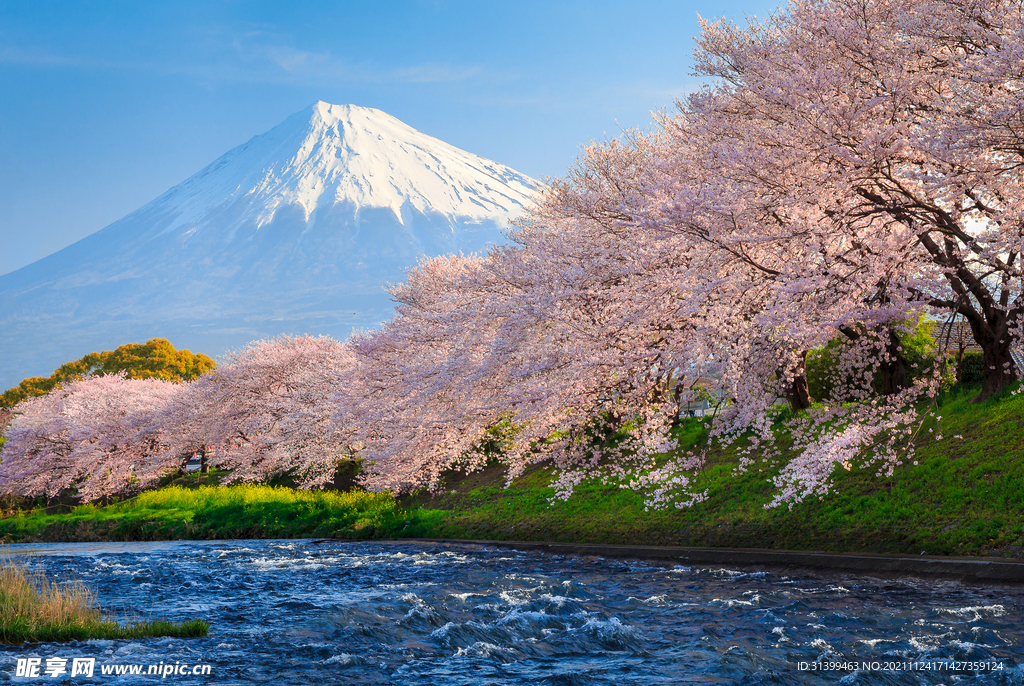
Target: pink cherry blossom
x=94 y=435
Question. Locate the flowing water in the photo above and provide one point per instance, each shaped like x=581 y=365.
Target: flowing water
x=330 y=612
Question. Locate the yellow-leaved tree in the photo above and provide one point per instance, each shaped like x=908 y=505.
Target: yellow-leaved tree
x=154 y=359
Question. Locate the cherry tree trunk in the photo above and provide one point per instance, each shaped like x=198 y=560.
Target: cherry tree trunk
x=799 y=393
x=997 y=364
x=892 y=373
x=999 y=368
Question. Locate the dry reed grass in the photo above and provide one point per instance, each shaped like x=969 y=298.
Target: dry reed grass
x=34 y=608
x=34 y=598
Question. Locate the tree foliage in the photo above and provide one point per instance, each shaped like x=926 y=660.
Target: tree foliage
x=154 y=359
x=264 y=413
x=917 y=348
x=92 y=437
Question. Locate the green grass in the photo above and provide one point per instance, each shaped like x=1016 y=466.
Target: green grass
x=20 y=631
x=34 y=609
x=215 y=512
x=965 y=497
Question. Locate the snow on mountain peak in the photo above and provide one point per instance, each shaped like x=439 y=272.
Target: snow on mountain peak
x=328 y=155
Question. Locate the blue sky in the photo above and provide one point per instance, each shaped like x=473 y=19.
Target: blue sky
x=107 y=105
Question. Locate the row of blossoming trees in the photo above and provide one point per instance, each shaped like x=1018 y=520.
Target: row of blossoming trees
x=851 y=165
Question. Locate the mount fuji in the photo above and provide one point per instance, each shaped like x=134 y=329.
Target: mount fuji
x=296 y=231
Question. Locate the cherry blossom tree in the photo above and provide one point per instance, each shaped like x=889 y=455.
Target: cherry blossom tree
x=94 y=437
x=544 y=337
x=853 y=165
x=264 y=412
x=887 y=135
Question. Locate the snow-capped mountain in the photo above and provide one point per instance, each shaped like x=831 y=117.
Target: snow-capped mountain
x=296 y=231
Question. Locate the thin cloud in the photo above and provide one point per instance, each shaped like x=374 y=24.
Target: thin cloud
x=252 y=57
x=37 y=57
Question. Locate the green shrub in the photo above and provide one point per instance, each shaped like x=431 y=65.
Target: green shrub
x=972 y=368
x=919 y=351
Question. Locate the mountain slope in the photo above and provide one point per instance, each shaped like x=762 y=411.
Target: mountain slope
x=296 y=231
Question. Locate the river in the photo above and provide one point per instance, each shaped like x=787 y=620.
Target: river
x=329 y=612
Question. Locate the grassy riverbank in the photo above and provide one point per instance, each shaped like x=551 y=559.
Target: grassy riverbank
x=215 y=512
x=33 y=609
x=965 y=497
